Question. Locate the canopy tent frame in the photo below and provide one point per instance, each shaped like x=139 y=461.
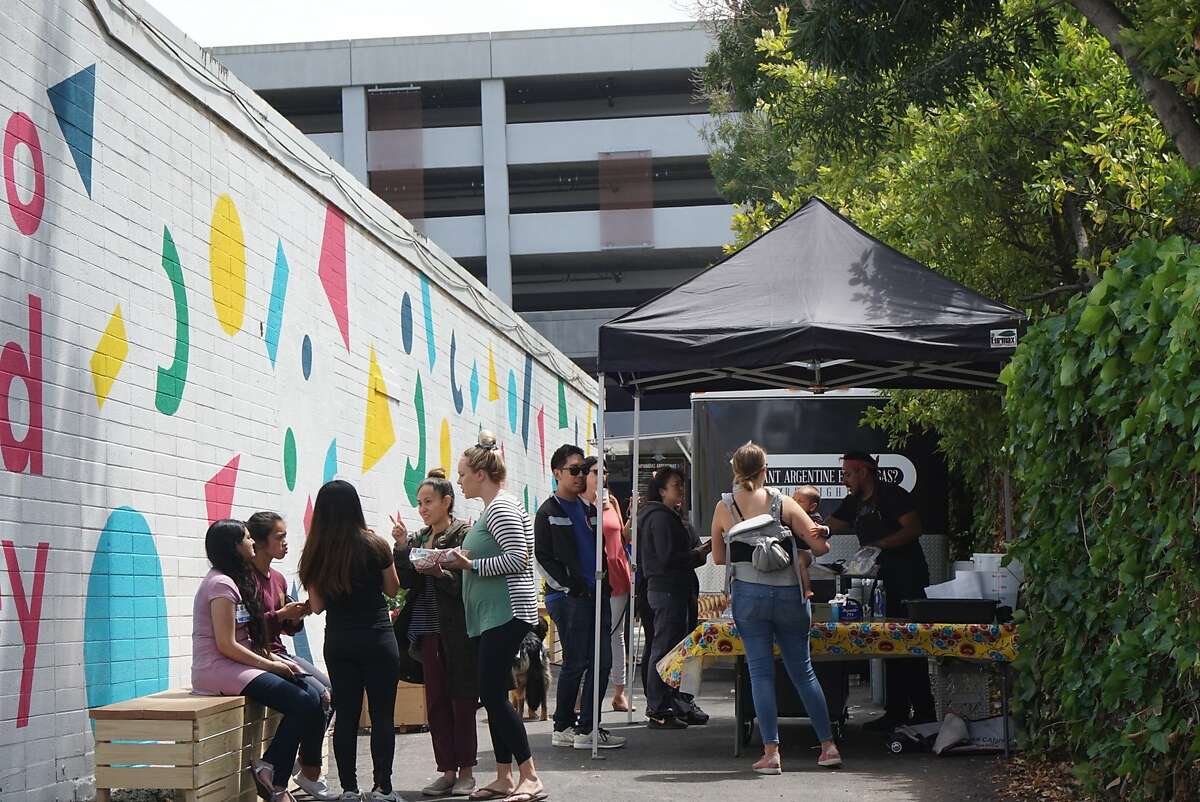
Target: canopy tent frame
x=920 y=330
x=955 y=373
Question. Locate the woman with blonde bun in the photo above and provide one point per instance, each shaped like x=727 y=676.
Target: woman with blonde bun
x=500 y=601
x=769 y=603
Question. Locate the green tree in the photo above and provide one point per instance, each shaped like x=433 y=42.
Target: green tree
x=1022 y=185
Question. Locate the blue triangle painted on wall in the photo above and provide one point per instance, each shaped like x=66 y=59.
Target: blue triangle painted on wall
x=74 y=102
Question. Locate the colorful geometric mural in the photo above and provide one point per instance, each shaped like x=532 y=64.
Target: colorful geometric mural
x=142 y=259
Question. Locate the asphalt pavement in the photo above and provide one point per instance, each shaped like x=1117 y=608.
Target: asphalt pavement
x=698 y=764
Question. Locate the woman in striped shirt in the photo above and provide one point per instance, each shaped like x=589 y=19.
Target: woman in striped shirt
x=500 y=601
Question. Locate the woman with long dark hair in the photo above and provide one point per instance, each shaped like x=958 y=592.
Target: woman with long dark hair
x=285 y=616
x=437 y=630
x=347 y=570
x=230 y=657
x=500 y=600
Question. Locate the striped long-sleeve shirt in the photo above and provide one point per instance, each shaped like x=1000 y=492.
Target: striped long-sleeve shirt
x=502 y=586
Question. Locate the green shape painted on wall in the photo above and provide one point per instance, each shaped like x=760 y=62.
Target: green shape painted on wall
x=415 y=474
x=289 y=459
x=563 y=420
x=168 y=391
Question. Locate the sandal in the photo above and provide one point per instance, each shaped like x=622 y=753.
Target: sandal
x=264 y=787
x=489 y=793
x=536 y=796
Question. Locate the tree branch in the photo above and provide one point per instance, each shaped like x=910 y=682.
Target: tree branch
x=1053 y=291
x=1168 y=105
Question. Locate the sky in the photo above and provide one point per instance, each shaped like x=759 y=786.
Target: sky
x=214 y=23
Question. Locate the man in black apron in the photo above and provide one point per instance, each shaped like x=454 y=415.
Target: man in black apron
x=883 y=514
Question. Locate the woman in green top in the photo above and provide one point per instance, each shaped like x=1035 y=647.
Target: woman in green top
x=500 y=601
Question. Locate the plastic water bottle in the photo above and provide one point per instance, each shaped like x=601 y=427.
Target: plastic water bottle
x=878 y=607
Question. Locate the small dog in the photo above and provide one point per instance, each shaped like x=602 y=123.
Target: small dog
x=531 y=674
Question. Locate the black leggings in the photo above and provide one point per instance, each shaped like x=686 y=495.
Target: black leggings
x=497 y=647
x=360 y=659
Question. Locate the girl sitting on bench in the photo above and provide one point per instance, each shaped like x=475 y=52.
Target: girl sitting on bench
x=230 y=657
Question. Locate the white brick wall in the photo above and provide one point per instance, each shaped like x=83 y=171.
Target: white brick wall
x=166 y=145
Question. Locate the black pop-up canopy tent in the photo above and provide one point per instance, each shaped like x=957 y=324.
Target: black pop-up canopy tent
x=812 y=304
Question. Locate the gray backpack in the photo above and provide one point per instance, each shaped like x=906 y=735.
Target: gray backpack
x=770 y=539
x=765 y=533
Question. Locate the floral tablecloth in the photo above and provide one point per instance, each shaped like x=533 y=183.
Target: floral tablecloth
x=984 y=642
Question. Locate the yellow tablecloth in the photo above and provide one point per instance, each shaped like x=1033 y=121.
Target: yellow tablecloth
x=986 y=642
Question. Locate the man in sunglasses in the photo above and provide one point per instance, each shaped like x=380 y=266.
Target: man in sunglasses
x=883 y=514
x=564 y=537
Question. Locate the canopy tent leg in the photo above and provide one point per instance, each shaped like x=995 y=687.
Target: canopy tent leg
x=601 y=500
x=630 y=685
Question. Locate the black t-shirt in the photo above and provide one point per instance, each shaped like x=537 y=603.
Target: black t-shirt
x=365 y=606
x=880 y=517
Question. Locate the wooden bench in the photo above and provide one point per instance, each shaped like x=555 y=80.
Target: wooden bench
x=197 y=746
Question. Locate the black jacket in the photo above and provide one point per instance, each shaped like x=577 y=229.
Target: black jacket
x=556 y=553
x=670 y=551
x=461 y=660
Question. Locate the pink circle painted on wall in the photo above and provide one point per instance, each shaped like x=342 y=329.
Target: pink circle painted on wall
x=20 y=130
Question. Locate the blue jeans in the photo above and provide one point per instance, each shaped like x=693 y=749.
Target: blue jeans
x=767 y=615
x=302 y=727
x=575 y=620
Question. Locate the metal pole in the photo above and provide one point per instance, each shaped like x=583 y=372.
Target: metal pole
x=601 y=500
x=630 y=685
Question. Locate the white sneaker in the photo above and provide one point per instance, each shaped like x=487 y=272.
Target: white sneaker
x=350 y=796
x=442 y=786
x=564 y=738
x=379 y=796
x=317 y=789
x=606 y=740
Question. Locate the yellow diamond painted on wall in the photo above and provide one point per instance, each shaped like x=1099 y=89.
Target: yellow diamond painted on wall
x=587 y=433
x=446 y=450
x=109 y=356
x=378 y=434
x=493 y=388
x=227 y=265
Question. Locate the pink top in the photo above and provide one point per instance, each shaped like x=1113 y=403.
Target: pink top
x=212 y=672
x=619 y=578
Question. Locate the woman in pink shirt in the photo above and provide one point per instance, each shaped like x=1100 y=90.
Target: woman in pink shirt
x=619 y=578
x=230 y=657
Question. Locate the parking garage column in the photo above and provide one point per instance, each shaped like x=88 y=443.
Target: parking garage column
x=495 y=188
x=354 y=131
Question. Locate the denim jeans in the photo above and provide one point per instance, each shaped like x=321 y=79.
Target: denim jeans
x=767 y=615
x=303 y=724
x=575 y=620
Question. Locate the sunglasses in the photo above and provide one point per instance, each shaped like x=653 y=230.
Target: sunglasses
x=574 y=470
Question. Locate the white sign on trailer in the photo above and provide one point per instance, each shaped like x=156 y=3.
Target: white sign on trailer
x=824 y=472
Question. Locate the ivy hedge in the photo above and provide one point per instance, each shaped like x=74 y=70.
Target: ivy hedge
x=1103 y=408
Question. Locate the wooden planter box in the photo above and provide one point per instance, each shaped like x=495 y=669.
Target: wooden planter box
x=198 y=746
x=409 y=711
